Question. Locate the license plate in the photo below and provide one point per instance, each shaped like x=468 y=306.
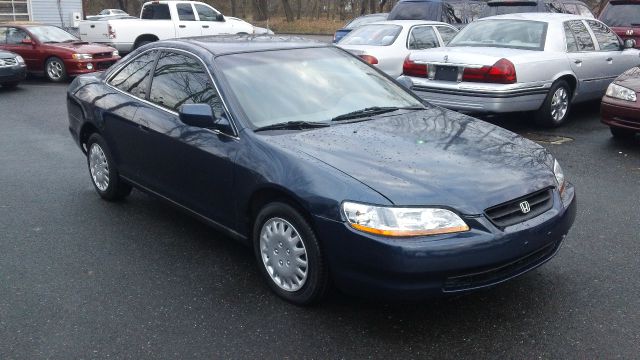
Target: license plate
x=446 y=73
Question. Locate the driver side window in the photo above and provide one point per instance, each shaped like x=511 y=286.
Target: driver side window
x=206 y=13
x=16 y=36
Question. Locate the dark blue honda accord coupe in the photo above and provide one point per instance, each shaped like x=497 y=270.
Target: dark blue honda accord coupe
x=332 y=171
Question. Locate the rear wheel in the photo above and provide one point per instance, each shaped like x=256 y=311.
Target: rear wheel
x=289 y=255
x=104 y=173
x=555 y=108
x=55 y=70
x=622 y=133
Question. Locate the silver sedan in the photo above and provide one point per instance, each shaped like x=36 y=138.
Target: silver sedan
x=386 y=44
x=522 y=62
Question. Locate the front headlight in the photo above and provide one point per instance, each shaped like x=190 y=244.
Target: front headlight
x=82 y=56
x=395 y=221
x=621 y=92
x=557 y=171
x=115 y=53
x=20 y=60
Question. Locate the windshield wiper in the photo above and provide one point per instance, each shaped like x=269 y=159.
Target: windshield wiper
x=293 y=125
x=371 y=111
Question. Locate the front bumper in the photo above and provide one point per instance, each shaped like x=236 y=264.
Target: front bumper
x=78 y=67
x=414 y=268
x=487 y=98
x=620 y=114
x=12 y=74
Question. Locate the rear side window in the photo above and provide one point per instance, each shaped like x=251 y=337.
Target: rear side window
x=134 y=77
x=206 y=13
x=571 y=9
x=584 y=11
x=422 y=37
x=156 y=12
x=583 y=39
x=607 y=40
x=572 y=46
x=180 y=79
x=185 y=12
x=446 y=33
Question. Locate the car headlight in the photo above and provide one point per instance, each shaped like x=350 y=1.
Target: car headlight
x=557 y=171
x=20 y=60
x=82 y=56
x=115 y=53
x=621 y=92
x=397 y=221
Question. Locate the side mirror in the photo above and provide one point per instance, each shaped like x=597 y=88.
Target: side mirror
x=629 y=43
x=220 y=17
x=201 y=115
x=27 y=41
x=405 y=81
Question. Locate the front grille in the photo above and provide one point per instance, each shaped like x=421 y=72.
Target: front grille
x=104 y=55
x=8 y=62
x=104 y=65
x=487 y=277
x=511 y=213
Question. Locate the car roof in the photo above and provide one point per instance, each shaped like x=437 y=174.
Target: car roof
x=408 y=22
x=229 y=44
x=544 y=17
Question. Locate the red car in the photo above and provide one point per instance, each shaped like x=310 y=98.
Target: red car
x=620 y=107
x=623 y=17
x=54 y=52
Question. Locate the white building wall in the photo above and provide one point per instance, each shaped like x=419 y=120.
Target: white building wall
x=54 y=12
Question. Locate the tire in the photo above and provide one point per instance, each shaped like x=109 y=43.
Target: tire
x=276 y=223
x=11 y=85
x=620 y=133
x=55 y=70
x=109 y=186
x=558 y=100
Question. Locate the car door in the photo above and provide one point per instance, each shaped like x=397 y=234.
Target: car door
x=186 y=25
x=128 y=135
x=584 y=60
x=14 y=42
x=615 y=58
x=210 y=23
x=190 y=165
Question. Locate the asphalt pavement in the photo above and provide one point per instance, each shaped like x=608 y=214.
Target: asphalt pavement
x=81 y=278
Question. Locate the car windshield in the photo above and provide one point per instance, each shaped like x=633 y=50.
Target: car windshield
x=374 y=34
x=311 y=85
x=362 y=20
x=51 y=34
x=621 y=14
x=516 y=34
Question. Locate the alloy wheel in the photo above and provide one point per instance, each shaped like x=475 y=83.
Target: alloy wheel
x=284 y=254
x=55 y=69
x=559 y=104
x=99 y=167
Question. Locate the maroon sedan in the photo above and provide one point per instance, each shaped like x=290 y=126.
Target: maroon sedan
x=623 y=17
x=620 y=108
x=54 y=52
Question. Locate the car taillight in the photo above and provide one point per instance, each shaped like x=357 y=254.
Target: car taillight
x=370 y=59
x=112 y=32
x=502 y=72
x=410 y=68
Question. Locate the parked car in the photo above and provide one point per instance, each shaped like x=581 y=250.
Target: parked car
x=162 y=20
x=12 y=69
x=106 y=13
x=386 y=44
x=522 y=62
x=624 y=18
x=54 y=52
x=455 y=12
x=359 y=21
x=324 y=165
x=620 y=108
x=503 y=7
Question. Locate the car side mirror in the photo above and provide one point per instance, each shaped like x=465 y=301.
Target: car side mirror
x=629 y=43
x=220 y=17
x=201 y=115
x=27 y=42
x=405 y=81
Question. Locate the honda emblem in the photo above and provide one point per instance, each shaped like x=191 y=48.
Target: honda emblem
x=525 y=207
x=446 y=58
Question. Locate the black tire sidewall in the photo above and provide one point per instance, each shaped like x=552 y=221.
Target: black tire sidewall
x=622 y=133
x=64 y=69
x=315 y=286
x=543 y=116
x=116 y=188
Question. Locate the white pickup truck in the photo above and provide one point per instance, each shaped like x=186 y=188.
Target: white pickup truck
x=161 y=20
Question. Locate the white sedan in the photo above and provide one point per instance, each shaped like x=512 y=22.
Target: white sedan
x=386 y=44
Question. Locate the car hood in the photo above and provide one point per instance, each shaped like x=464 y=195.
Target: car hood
x=468 y=55
x=630 y=79
x=431 y=157
x=83 y=47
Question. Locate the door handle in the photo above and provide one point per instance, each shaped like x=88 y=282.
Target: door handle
x=182 y=26
x=577 y=61
x=205 y=26
x=609 y=59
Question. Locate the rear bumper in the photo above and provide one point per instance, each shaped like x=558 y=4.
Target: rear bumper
x=12 y=74
x=618 y=113
x=415 y=268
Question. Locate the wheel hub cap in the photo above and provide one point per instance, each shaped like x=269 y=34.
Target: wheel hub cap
x=283 y=254
x=99 y=167
x=559 y=104
x=55 y=70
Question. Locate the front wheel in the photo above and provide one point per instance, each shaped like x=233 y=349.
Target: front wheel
x=104 y=173
x=289 y=255
x=555 y=108
x=55 y=70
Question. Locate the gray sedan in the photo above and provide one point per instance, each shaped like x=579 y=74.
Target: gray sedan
x=522 y=62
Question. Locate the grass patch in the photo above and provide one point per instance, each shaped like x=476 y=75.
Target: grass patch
x=302 y=26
